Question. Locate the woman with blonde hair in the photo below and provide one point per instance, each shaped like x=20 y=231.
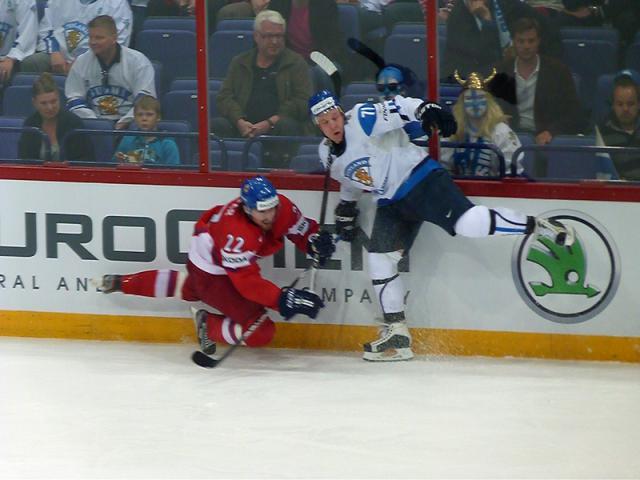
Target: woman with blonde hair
x=480 y=120
x=56 y=124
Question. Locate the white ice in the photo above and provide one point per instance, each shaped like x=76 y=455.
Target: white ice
x=81 y=409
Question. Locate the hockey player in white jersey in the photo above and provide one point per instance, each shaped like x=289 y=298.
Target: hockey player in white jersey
x=105 y=81
x=367 y=150
x=64 y=31
x=18 y=34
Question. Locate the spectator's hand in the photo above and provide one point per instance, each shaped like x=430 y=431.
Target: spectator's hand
x=59 y=63
x=121 y=156
x=544 y=137
x=122 y=124
x=261 y=128
x=478 y=8
x=6 y=67
x=245 y=127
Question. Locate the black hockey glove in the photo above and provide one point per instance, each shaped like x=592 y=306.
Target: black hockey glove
x=433 y=115
x=346 y=215
x=293 y=301
x=321 y=246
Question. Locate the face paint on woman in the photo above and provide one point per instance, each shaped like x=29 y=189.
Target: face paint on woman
x=475 y=103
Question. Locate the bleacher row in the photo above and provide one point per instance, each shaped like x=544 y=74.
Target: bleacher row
x=166 y=39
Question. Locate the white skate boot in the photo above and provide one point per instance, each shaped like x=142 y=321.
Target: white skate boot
x=200 y=321
x=560 y=233
x=393 y=344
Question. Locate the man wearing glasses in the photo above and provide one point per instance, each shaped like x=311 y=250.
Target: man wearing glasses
x=266 y=89
x=105 y=81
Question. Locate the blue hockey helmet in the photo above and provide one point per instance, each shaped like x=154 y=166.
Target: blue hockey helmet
x=321 y=102
x=257 y=193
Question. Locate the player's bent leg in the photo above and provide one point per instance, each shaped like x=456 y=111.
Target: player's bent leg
x=262 y=335
x=394 y=340
x=224 y=330
x=150 y=283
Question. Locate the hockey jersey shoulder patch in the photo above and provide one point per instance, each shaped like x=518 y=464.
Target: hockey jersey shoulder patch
x=367 y=117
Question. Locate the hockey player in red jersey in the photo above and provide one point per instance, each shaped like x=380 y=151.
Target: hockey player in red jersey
x=222 y=268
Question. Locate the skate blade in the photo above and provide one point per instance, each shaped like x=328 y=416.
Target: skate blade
x=390 y=355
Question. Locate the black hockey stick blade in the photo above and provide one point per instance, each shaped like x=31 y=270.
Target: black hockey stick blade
x=203 y=360
x=359 y=47
x=329 y=68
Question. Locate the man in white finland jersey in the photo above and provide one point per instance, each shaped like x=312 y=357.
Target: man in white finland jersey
x=367 y=150
x=18 y=34
x=105 y=81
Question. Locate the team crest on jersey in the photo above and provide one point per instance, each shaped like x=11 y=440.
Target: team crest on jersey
x=108 y=99
x=75 y=33
x=359 y=171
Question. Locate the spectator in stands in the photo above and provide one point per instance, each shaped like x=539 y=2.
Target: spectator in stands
x=19 y=35
x=246 y=9
x=479 y=35
x=539 y=91
x=105 y=81
x=480 y=120
x=147 y=148
x=313 y=25
x=579 y=13
x=622 y=127
x=56 y=123
x=266 y=89
x=64 y=32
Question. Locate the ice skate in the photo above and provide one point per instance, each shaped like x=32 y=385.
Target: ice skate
x=111 y=283
x=200 y=321
x=393 y=344
x=560 y=233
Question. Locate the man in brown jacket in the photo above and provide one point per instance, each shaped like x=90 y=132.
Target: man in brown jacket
x=266 y=89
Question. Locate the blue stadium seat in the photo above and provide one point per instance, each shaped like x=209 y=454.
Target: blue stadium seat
x=17 y=101
x=192 y=84
x=578 y=165
x=401 y=12
x=174 y=49
x=348 y=101
x=237 y=24
x=183 y=105
x=591 y=33
x=307 y=159
x=223 y=46
x=9 y=140
x=103 y=144
x=529 y=157
x=235 y=150
x=185 y=145
x=632 y=56
x=157 y=78
x=408 y=50
x=30 y=78
x=368 y=88
x=169 y=23
x=349 y=20
x=580 y=56
x=409 y=28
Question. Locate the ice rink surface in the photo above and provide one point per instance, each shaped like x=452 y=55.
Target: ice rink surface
x=78 y=409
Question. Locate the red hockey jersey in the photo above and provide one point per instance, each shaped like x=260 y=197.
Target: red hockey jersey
x=227 y=242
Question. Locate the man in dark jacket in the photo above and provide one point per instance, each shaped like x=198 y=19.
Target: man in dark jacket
x=622 y=127
x=479 y=35
x=266 y=89
x=539 y=91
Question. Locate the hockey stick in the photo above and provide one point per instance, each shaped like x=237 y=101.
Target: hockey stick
x=329 y=68
x=205 y=361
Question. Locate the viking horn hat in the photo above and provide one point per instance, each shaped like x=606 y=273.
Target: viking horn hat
x=475 y=81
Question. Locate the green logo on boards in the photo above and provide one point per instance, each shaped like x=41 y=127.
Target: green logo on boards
x=568 y=284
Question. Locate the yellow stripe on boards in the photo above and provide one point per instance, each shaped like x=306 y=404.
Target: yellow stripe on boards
x=327 y=337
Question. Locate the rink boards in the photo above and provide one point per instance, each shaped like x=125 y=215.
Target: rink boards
x=507 y=296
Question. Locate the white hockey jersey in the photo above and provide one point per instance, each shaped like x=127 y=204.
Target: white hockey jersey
x=379 y=156
x=94 y=93
x=18 y=28
x=483 y=162
x=64 y=24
